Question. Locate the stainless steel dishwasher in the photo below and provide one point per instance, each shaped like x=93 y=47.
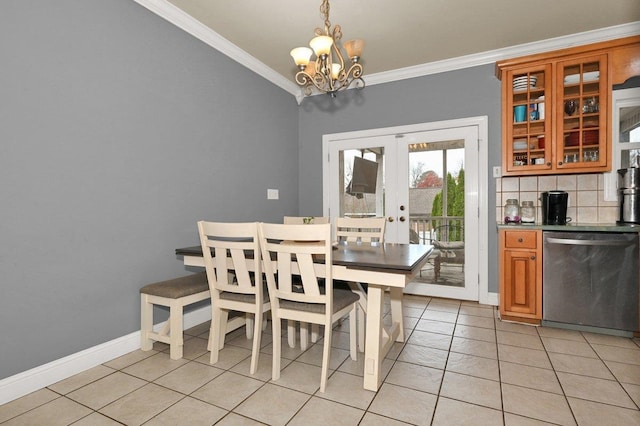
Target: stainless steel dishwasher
x=590 y=279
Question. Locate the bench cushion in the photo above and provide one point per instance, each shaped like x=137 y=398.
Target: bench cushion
x=178 y=287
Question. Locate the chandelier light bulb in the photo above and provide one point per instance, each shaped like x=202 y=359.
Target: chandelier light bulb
x=301 y=56
x=335 y=71
x=354 y=49
x=321 y=45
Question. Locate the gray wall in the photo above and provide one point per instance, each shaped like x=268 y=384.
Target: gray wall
x=458 y=94
x=118 y=131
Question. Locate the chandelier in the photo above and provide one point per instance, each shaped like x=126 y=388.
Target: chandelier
x=328 y=73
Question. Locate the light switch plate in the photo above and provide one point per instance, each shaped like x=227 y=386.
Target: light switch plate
x=272 y=194
x=497 y=171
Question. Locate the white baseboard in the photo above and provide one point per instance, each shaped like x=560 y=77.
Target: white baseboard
x=39 y=377
x=492 y=299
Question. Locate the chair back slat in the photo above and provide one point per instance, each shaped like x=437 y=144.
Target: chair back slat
x=302 y=251
x=366 y=230
x=283 y=267
x=236 y=251
x=308 y=274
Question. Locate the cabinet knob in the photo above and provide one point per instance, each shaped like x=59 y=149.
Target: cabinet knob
x=533 y=258
x=559 y=163
x=549 y=164
x=520 y=240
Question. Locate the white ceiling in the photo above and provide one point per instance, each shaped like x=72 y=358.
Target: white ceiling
x=401 y=33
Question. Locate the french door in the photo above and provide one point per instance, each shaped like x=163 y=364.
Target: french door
x=415 y=164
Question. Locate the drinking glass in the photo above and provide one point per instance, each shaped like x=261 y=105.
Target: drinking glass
x=570 y=107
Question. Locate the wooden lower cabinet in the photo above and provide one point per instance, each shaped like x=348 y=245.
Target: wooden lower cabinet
x=521 y=275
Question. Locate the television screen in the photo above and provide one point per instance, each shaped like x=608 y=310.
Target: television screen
x=364 y=177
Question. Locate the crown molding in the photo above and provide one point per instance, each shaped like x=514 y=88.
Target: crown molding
x=194 y=27
x=492 y=56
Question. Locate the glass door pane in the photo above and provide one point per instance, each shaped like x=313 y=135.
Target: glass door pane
x=436 y=203
x=361 y=182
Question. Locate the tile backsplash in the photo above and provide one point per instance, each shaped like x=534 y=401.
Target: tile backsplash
x=586 y=196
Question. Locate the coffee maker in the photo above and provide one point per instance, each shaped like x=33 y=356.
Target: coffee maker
x=554 y=208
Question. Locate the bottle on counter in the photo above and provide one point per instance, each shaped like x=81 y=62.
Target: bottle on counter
x=511 y=211
x=528 y=212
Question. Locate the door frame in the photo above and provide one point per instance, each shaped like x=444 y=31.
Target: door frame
x=481 y=122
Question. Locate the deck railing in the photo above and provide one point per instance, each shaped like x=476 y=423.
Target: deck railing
x=422 y=226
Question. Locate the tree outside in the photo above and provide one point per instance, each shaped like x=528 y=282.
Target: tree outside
x=455 y=206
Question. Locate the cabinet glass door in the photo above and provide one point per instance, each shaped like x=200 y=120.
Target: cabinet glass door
x=581 y=113
x=528 y=128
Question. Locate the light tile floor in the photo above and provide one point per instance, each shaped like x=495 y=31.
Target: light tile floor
x=460 y=365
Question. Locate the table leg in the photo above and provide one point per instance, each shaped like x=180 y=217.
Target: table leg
x=396 y=311
x=373 y=345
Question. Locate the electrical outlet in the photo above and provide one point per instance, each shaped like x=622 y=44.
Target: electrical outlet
x=272 y=194
x=497 y=171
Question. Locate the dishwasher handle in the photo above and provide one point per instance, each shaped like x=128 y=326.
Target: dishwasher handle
x=574 y=242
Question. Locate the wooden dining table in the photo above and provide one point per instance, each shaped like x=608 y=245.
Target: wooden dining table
x=380 y=266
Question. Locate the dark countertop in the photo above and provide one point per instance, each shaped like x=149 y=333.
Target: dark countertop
x=575 y=227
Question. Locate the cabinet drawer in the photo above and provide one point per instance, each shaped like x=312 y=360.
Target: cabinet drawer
x=520 y=239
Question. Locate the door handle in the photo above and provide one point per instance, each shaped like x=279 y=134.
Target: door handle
x=390 y=218
x=401 y=219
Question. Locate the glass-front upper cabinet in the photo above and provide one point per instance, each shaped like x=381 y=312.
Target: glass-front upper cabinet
x=581 y=113
x=527 y=127
x=555 y=114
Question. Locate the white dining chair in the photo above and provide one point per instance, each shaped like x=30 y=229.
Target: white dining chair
x=296 y=251
x=291 y=325
x=225 y=248
x=365 y=231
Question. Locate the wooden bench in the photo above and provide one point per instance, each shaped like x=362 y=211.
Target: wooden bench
x=175 y=294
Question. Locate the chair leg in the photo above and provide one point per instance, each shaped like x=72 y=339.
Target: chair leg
x=224 y=319
x=353 y=333
x=211 y=332
x=257 y=335
x=291 y=333
x=362 y=312
x=315 y=332
x=395 y=300
x=215 y=334
x=361 y=316
x=146 y=323
x=277 y=346
x=175 y=330
x=249 y=327
x=326 y=356
x=304 y=336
